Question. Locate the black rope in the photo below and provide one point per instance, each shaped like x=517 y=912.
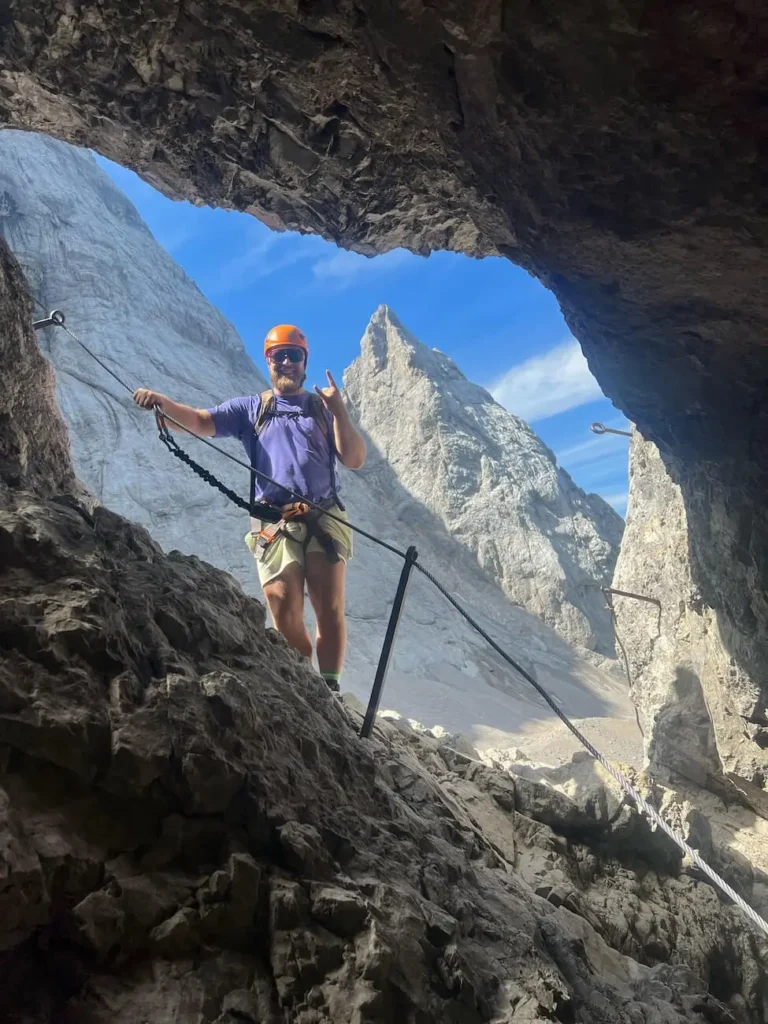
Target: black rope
x=209 y=478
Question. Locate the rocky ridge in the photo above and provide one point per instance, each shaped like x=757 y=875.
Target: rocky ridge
x=86 y=249
x=190 y=828
x=489 y=478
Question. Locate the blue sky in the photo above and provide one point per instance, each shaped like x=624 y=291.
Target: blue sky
x=504 y=330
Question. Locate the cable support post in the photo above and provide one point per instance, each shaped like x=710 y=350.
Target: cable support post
x=627 y=593
x=608 y=594
x=54 y=319
x=411 y=559
x=600 y=428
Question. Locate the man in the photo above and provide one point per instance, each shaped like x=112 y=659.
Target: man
x=294 y=437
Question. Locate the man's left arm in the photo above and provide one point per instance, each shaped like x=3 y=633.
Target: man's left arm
x=350 y=445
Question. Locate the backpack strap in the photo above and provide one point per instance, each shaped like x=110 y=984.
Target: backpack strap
x=317 y=412
x=266 y=406
x=266 y=409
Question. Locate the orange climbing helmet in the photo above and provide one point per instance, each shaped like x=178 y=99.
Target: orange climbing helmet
x=283 y=335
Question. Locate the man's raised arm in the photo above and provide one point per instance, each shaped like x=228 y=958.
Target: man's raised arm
x=198 y=421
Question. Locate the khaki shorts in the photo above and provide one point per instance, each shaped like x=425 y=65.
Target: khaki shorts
x=289 y=546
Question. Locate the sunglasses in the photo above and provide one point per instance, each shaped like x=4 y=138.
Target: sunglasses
x=279 y=355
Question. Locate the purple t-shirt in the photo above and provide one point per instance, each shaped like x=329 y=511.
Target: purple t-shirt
x=291 y=449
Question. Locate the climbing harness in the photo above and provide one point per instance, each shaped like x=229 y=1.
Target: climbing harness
x=410 y=560
x=298 y=512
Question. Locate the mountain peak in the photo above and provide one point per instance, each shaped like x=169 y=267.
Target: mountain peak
x=490 y=479
x=387 y=340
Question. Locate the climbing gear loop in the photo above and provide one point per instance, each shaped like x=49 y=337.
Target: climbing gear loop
x=299 y=512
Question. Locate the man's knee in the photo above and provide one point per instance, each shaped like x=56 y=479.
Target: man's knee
x=286 y=617
x=326 y=584
x=330 y=619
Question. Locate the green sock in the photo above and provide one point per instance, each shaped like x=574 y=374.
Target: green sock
x=332 y=679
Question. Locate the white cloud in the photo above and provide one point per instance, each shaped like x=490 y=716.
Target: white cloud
x=545 y=385
x=267 y=253
x=344 y=267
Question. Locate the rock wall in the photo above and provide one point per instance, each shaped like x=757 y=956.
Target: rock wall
x=34 y=448
x=489 y=478
x=86 y=249
x=190 y=828
x=614 y=150
x=702 y=714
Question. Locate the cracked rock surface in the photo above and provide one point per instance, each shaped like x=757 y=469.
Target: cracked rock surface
x=702 y=713
x=191 y=830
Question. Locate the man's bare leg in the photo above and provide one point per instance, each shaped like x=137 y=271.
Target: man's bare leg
x=326 y=584
x=285 y=599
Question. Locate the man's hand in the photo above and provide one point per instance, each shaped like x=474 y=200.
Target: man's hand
x=196 y=421
x=349 y=443
x=331 y=397
x=147 y=399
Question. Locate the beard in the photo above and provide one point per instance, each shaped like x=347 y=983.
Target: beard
x=286 y=385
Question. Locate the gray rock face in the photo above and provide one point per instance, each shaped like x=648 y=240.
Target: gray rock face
x=490 y=480
x=701 y=713
x=206 y=838
x=86 y=249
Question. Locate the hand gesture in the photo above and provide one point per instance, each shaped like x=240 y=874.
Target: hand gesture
x=331 y=396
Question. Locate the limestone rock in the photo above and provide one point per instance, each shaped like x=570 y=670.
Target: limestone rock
x=700 y=710
x=485 y=474
x=34 y=448
x=87 y=250
x=452 y=925
x=340 y=911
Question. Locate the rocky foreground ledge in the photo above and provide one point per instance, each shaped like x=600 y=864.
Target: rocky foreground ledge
x=191 y=829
